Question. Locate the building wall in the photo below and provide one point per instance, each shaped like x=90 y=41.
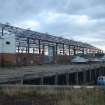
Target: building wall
x=8 y=59
x=8 y=44
x=0 y=45
x=7 y=49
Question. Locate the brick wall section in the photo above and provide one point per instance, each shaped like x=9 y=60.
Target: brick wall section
x=20 y=59
x=65 y=59
x=8 y=59
x=30 y=59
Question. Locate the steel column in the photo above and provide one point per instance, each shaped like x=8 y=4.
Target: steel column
x=76 y=78
x=28 y=47
x=56 y=79
x=67 y=78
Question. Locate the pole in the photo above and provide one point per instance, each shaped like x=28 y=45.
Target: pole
x=56 y=79
x=69 y=50
x=76 y=78
x=63 y=49
x=74 y=50
x=28 y=46
x=67 y=78
x=84 y=76
x=39 y=47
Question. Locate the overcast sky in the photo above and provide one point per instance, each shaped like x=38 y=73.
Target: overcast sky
x=82 y=20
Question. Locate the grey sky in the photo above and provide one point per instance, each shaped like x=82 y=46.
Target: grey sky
x=82 y=20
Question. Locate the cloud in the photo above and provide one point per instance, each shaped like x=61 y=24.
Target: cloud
x=82 y=20
x=31 y=24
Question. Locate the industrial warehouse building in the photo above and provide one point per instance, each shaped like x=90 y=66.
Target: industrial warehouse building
x=25 y=47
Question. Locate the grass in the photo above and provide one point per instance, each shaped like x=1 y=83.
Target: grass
x=55 y=95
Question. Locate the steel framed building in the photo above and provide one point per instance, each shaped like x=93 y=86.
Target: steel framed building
x=25 y=47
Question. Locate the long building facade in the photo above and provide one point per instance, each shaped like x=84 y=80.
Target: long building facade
x=25 y=47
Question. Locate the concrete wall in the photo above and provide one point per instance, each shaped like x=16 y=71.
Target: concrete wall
x=7 y=49
x=0 y=45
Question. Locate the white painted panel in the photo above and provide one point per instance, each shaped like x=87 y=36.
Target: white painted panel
x=8 y=48
x=0 y=45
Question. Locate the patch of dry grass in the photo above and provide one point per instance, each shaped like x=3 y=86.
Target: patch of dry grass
x=55 y=95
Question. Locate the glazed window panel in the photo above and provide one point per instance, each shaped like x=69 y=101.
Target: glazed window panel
x=46 y=50
x=60 y=49
x=21 y=49
x=36 y=49
x=66 y=49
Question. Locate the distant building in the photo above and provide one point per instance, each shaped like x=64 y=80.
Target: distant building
x=79 y=60
x=25 y=47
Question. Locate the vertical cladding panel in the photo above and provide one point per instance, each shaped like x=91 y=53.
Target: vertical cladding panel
x=8 y=50
x=9 y=44
x=0 y=49
x=0 y=45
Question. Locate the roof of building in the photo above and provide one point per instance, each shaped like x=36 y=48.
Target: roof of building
x=79 y=59
x=19 y=32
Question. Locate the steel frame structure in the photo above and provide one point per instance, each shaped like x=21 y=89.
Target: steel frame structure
x=33 y=42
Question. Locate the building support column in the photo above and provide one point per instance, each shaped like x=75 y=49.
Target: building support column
x=22 y=80
x=69 y=50
x=56 y=53
x=28 y=46
x=42 y=80
x=39 y=48
x=56 y=49
x=76 y=78
x=83 y=51
x=56 y=79
x=86 y=51
x=74 y=50
x=43 y=49
x=99 y=71
x=84 y=77
x=95 y=74
x=103 y=71
x=67 y=79
x=63 y=49
x=90 y=74
x=43 y=52
x=19 y=49
x=40 y=59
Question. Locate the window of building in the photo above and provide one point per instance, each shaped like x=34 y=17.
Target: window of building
x=7 y=42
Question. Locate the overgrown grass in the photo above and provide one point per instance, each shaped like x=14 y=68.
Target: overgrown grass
x=60 y=96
